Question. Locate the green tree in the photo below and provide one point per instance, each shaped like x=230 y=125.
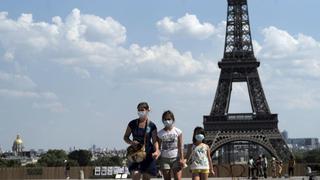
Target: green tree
x=53 y=158
x=108 y=161
x=312 y=156
x=9 y=163
x=83 y=157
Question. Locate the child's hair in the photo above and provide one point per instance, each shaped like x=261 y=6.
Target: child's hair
x=143 y=105
x=168 y=112
x=197 y=130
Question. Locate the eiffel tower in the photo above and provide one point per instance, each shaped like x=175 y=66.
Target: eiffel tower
x=240 y=65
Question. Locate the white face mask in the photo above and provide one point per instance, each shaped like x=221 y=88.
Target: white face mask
x=199 y=137
x=142 y=114
x=168 y=123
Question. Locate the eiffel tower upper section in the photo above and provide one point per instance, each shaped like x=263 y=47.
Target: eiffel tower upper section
x=240 y=65
x=238 y=43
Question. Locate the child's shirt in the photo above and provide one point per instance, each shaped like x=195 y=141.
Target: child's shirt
x=169 y=142
x=199 y=157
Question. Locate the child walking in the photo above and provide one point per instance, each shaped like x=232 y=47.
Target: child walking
x=171 y=146
x=201 y=163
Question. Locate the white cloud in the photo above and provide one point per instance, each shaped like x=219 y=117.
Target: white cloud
x=165 y=60
x=278 y=43
x=51 y=106
x=188 y=25
x=82 y=72
x=291 y=68
x=28 y=94
x=18 y=94
x=297 y=55
x=16 y=81
x=88 y=42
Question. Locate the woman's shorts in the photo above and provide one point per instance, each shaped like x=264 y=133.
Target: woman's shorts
x=148 y=166
x=170 y=163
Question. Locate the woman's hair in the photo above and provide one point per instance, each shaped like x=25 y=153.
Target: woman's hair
x=197 y=130
x=143 y=105
x=168 y=112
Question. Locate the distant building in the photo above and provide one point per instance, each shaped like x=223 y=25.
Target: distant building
x=304 y=143
x=285 y=135
x=17 y=146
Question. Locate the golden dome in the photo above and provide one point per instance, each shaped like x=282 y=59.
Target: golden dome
x=18 y=140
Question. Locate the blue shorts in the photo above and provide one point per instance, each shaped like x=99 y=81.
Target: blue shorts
x=148 y=166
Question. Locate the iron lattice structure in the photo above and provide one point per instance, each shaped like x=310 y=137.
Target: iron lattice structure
x=240 y=65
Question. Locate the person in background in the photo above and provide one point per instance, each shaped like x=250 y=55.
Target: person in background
x=291 y=165
x=250 y=167
x=264 y=164
x=67 y=169
x=280 y=166
x=274 y=167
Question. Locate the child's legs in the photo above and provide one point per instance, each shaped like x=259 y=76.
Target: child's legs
x=204 y=176
x=166 y=174
x=177 y=174
x=177 y=169
x=166 y=167
x=195 y=176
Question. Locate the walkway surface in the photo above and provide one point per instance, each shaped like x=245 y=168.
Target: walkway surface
x=242 y=178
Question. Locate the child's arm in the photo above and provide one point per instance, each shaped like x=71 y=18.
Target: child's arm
x=180 y=149
x=210 y=161
x=189 y=151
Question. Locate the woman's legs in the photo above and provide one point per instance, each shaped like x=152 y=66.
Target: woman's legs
x=145 y=176
x=135 y=175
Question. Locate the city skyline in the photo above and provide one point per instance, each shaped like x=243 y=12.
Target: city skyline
x=72 y=73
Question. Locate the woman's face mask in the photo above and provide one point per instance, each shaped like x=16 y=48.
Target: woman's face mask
x=199 y=137
x=142 y=114
x=167 y=122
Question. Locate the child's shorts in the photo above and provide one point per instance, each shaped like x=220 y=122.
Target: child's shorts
x=170 y=163
x=203 y=171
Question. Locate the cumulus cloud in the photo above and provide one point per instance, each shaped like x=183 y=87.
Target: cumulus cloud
x=16 y=81
x=290 y=67
x=188 y=25
x=165 y=59
x=51 y=106
x=297 y=56
x=27 y=94
x=87 y=42
x=21 y=87
x=82 y=72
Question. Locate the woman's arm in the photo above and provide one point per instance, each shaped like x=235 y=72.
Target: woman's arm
x=156 y=153
x=127 y=135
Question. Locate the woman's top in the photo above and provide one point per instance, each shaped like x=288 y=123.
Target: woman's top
x=138 y=133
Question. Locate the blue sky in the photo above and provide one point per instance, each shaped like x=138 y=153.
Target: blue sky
x=72 y=72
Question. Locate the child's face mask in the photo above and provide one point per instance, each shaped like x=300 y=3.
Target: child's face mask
x=199 y=137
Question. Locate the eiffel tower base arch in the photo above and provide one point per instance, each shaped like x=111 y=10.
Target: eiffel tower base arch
x=270 y=140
